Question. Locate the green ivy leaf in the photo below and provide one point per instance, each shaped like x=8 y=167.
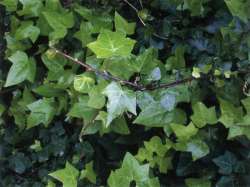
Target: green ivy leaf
x=110 y=44
x=22 y=69
x=89 y=173
x=155 y=153
x=203 y=115
x=96 y=98
x=119 y=101
x=196 y=147
x=229 y=113
x=184 y=133
x=130 y=171
x=177 y=61
x=27 y=30
x=31 y=8
x=80 y=109
x=59 y=22
x=84 y=34
x=123 y=26
x=84 y=83
x=68 y=176
x=154 y=115
x=239 y=8
x=42 y=112
x=11 y=5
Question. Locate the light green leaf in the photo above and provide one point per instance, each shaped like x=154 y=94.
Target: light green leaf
x=42 y=112
x=22 y=69
x=11 y=5
x=203 y=115
x=59 y=22
x=123 y=26
x=96 y=98
x=84 y=83
x=27 y=30
x=184 y=133
x=89 y=173
x=229 y=113
x=84 y=34
x=68 y=176
x=31 y=8
x=119 y=101
x=99 y=19
x=130 y=171
x=155 y=153
x=110 y=44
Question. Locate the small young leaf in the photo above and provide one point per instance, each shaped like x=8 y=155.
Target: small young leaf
x=67 y=176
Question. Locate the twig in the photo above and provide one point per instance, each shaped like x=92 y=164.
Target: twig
x=133 y=85
x=136 y=10
x=104 y=74
x=141 y=20
x=132 y=6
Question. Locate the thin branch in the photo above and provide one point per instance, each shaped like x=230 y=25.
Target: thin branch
x=104 y=74
x=133 y=85
x=132 y=6
x=136 y=10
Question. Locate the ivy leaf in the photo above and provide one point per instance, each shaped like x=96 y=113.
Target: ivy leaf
x=89 y=173
x=96 y=98
x=117 y=65
x=239 y=8
x=42 y=111
x=123 y=26
x=110 y=44
x=195 y=6
x=154 y=115
x=168 y=101
x=130 y=171
x=177 y=61
x=155 y=153
x=59 y=22
x=229 y=113
x=194 y=182
x=27 y=30
x=196 y=147
x=22 y=69
x=83 y=83
x=182 y=132
x=80 y=109
x=119 y=101
x=68 y=176
x=84 y=34
x=203 y=115
x=30 y=8
x=11 y=5
x=226 y=163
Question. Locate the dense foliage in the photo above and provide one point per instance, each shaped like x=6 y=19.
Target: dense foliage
x=122 y=93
